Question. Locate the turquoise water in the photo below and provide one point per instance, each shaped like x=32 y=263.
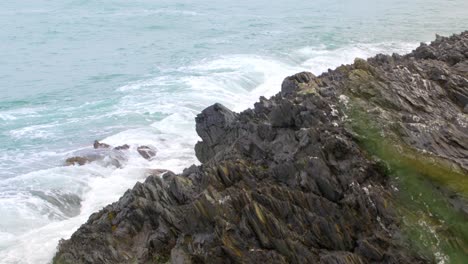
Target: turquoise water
x=137 y=72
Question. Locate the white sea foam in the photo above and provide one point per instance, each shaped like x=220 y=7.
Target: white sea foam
x=236 y=81
x=144 y=83
x=239 y=80
x=26 y=112
x=320 y=59
x=6 y=116
x=36 y=236
x=152 y=12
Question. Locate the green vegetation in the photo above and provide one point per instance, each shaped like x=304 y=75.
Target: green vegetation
x=431 y=225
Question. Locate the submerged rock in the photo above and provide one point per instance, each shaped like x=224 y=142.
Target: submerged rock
x=290 y=181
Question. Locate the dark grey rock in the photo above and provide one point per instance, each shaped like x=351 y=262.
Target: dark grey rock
x=292 y=84
x=212 y=124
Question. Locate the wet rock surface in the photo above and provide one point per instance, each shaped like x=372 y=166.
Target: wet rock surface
x=147 y=152
x=77 y=161
x=287 y=181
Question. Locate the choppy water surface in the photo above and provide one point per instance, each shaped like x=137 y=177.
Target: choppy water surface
x=137 y=72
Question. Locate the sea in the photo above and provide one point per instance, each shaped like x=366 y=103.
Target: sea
x=138 y=72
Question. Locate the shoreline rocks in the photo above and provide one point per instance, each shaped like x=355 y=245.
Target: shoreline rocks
x=301 y=177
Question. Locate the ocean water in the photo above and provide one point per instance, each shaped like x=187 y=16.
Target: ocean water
x=137 y=73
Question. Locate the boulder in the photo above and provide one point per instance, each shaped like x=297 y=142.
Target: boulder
x=123 y=147
x=98 y=145
x=147 y=152
x=212 y=124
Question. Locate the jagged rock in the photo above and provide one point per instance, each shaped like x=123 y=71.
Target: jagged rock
x=211 y=125
x=289 y=181
x=213 y=122
x=283 y=115
x=293 y=84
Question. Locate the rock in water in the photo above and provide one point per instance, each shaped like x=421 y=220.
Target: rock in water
x=123 y=147
x=146 y=152
x=77 y=161
x=289 y=181
x=102 y=153
x=98 y=145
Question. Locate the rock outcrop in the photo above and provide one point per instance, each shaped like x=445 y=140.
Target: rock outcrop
x=291 y=180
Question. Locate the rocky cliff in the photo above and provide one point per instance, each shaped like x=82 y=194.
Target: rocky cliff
x=340 y=168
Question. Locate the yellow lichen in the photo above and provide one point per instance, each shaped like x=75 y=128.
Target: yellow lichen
x=110 y=216
x=200 y=208
x=259 y=213
x=228 y=243
x=225 y=170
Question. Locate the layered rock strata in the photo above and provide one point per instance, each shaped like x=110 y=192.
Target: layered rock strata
x=290 y=180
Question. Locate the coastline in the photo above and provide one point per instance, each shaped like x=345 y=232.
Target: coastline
x=253 y=157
